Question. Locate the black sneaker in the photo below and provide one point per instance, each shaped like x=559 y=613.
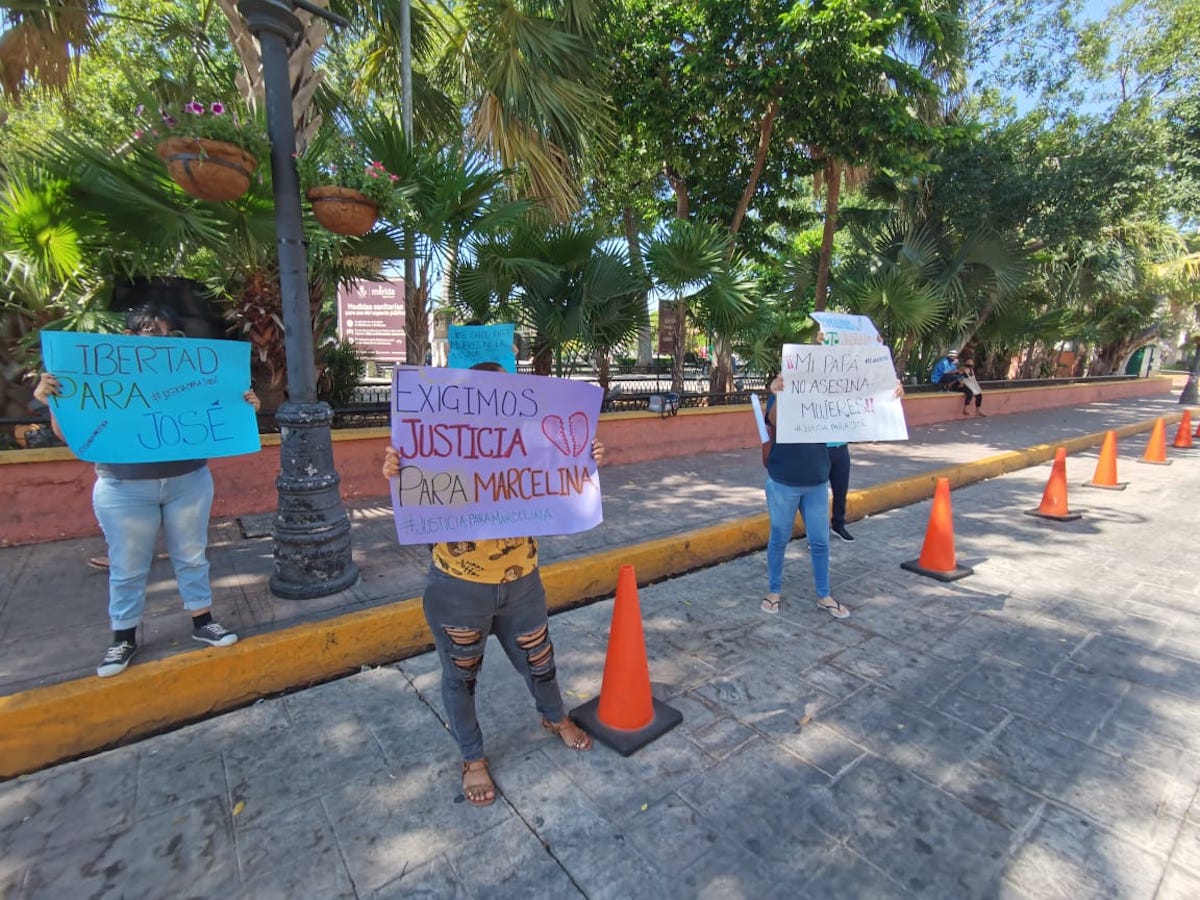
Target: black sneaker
x=214 y=633
x=116 y=658
x=840 y=531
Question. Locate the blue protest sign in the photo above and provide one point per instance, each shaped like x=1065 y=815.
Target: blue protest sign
x=134 y=399
x=471 y=344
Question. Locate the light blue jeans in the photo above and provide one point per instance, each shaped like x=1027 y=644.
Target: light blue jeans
x=130 y=513
x=813 y=503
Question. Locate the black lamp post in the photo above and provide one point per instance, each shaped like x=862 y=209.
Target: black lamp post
x=311 y=529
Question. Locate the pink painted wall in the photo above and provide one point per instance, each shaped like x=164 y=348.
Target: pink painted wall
x=46 y=495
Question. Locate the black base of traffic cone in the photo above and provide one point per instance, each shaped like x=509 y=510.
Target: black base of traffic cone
x=1069 y=517
x=914 y=565
x=626 y=742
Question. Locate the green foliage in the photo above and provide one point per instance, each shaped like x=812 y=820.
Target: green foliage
x=556 y=280
x=213 y=120
x=335 y=159
x=344 y=368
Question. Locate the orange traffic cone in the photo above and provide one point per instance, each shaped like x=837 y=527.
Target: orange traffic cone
x=625 y=716
x=1183 y=437
x=1054 y=500
x=1156 y=447
x=937 y=555
x=1106 y=467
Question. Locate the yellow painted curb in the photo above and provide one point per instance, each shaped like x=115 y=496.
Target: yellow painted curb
x=47 y=725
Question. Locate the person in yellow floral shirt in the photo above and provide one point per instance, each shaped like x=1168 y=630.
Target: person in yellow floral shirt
x=483 y=587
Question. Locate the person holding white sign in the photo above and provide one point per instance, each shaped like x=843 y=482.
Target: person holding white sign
x=482 y=587
x=132 y=502
x=797 y=479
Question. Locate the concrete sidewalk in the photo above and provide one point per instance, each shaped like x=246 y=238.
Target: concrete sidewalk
x=665 y=520
x=54 y=625
x=1029 y=731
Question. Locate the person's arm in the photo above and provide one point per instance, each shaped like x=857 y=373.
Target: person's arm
x=776 y=387
x=48 y=387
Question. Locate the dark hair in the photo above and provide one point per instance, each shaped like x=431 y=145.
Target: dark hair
x=149 y=314
x=488 y=367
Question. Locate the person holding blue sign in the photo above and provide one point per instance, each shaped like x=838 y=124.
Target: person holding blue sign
x=132 y=502
x=482 y=587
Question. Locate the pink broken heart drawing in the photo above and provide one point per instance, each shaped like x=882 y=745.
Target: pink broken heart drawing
x=571 y=437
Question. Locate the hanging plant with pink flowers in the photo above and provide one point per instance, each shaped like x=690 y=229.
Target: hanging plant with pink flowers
x=348 y=192
x=211 y=150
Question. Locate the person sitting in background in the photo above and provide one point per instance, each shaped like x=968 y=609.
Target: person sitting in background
x=948 y=374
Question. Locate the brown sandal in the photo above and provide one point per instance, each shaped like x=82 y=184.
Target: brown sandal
x=480 y=790
x=580 y=740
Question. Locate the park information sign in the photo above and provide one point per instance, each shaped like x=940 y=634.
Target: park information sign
x=492 y=455
x=839 y=393
x=133 y=399
x=371 y=316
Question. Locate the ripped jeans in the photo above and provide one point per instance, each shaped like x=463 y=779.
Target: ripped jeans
x=461 y=614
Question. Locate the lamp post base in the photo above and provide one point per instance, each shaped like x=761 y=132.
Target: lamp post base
x=311 y=530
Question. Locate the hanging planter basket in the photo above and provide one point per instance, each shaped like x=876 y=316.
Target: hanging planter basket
x=215 y=171
x=343 y=210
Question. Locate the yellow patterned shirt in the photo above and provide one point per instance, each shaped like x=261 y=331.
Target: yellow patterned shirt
x=493 y=561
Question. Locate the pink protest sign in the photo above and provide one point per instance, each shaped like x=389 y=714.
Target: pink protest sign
x=492 y=455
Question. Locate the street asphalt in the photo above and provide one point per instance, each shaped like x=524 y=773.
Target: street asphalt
x=1028 y=731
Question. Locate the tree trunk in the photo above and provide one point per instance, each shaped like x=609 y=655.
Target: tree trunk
x=603 y=375
x=765 y=126
x=304 y=77
x=679 y=187
x=833 y=183
x=543 y=356
x=720 y=380
x=1113 y=356
x=680 y=328
x=416 y=320
x=900 y=363
x=645 y=350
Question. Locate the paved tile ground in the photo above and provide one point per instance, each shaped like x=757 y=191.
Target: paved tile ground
x=1029 y=731
x=53 y=625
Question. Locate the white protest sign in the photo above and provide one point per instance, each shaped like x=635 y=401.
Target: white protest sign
x=838 y=393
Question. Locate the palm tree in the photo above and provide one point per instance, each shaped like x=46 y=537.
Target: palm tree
x=914 y=282
x=690 y=262
x=42 y=41
x=527 y=74
x=558 y=280
x=454 y=195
